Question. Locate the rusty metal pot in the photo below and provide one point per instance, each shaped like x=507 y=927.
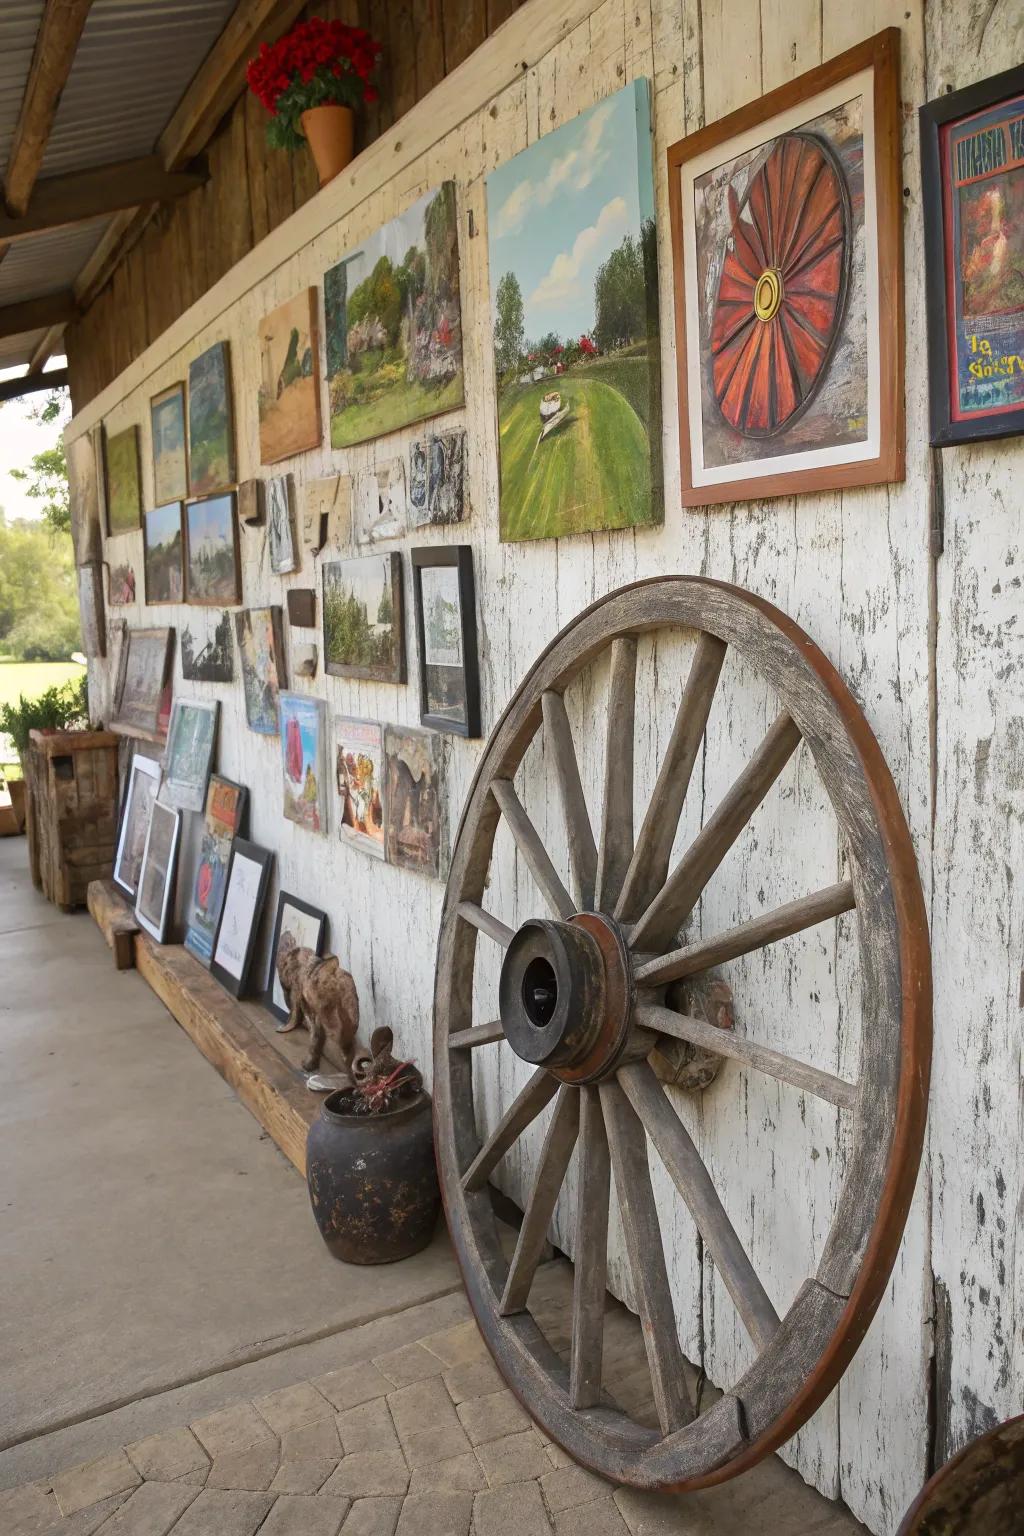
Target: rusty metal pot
x=980 y=1492
x=373 y=1179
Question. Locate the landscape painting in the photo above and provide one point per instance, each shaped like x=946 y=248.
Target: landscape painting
x=190 y=745
x=303 y=749
x=359 y=777
x=170 y=464
x=289 y=393
x=261 y=653
x=224 y=817
x=213 y=572
x=121 y=585
x=208 y=660
x=414 y=833
x=394 y=323
x=124 y=487
x=141 y=702
x=211 y=436
x=362 y=615
x=574 y=293
x=162 y=554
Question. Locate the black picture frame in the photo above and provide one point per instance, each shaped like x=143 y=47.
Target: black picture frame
x=286 y=899
x=460 y=558
x=239 y=985
x=933 y=117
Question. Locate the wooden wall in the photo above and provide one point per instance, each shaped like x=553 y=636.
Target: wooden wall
x=252 y=189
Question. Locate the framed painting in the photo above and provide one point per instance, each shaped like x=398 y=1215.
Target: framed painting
x=297 y=924
x=136 y=809
x=245 y=892
x=170 y=454
x=90 y=608
x=414 y=830
x=154 y=901
x=191 y=739
x=224 y=819
x=261 y=653
x=787 y=246
x=280 y=529
x=303 y=758
x=141 y=697
x=208 y=656
x=437 y=480
x=359 y=778
x=211 y=424
x=972 y=173
x=394 y=360
x=213 y=568
x=123 y=482
x=84 y=495
x=163 y=555
x=446 y=638
x=121 y=585
x=289 y=393
x=362 y=618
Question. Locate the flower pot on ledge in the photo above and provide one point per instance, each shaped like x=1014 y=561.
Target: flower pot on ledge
x=330 y=134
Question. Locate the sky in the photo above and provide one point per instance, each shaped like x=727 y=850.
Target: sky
x=557 y=210
x=21 y=439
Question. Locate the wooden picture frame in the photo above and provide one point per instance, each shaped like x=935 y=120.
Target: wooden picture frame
x=315 y=929
x=358 y=576
x=170 y=464
x=815 y=410
x=139 y=699
x=450 y=687
x=90 y=608
x=975 y=376
x=170 y=588
x=191 y=745
x=200 y=530
x=234 y=947
x=154 y=899
x=141 y=787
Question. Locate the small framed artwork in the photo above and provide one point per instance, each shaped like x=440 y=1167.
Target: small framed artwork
x=208 y=656
x=414 y=812
x=141 y=697
x=261 y=653
x=280 y=531
x=170 y=456
x=303 y=756
x=90 y=607
x=121 y=585
x=787 y=250
x=437 y=479
x=446 y=637
x=972 y=171
x=191 y=739
x=289 y=394
x=359 y=777
x=84 y=494
x=123 y=482
x=245 y=892
x=213 y=569
x=364 y=634
x=223 y=821
x=211 y=425
x=154 y=901
x=136 y=809
x=298 y=925
x=162 y=555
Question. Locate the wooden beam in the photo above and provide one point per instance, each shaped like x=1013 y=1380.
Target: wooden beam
x=120 y=235
x=62 y=200
x=37 y=314
x=45 y=350
x=30 y=384
x=55 y=49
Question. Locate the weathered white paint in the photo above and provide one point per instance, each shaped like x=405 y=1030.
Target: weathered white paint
x=931 y=649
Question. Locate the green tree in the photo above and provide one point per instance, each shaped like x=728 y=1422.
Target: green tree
x=509 y=330
x=441 y=239
x=379 y=294
x=38 y=597
x=47 y=474
x=620 y=297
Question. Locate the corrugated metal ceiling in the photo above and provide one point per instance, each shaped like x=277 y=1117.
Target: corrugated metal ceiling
x=47 y=263
x=19 y=23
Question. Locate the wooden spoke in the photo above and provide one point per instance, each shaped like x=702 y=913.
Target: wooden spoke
x=617 y=805
x=523 y=1110
x=494 y=929
x=835 y=1090
x=628 y=1147
x=591 y=1250
x=483 y=1034
x=792 y=918
x=691 y=1178
x=681 y=891
x=582 y=848
x=648 y=868
x=532 y=849
x=554 y=1160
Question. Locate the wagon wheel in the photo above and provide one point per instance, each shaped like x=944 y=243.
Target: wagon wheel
x=581 y=997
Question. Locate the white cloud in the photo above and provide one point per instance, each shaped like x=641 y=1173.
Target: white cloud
x=577 y=166
x=514 y=209
x=561 y=282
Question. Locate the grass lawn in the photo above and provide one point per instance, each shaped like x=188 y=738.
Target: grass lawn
x=32 y=678
x=592 y=472
x=395 y=408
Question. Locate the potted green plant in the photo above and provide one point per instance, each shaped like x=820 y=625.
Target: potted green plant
x=310 y=81
x=64 y=705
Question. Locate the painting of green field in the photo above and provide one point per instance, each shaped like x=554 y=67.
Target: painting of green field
x=124 y=493
x=211 y=437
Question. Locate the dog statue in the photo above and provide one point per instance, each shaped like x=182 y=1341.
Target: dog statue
x=323 y=997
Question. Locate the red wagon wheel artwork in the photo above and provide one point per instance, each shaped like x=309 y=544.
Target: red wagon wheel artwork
x=782 y=291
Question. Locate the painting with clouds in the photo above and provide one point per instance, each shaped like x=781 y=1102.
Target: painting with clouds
x=574 y=298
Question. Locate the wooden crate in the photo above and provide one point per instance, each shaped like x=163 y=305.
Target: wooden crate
x=72 y=778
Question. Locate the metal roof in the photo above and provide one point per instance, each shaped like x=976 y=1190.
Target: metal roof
x=48 y=263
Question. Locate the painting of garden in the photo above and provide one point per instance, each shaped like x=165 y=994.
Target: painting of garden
x=211 y=442
x=394 y=324
x=362 y=614
x=574 y=297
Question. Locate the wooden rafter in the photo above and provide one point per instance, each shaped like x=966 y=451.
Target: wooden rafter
x=80 y=195
x=37 y=314
x=30 y=384
x=45 y=350
x=56 y=44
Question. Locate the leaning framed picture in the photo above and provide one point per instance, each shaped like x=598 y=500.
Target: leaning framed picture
x=446 y=638
x=297 y=924
x=244 y=895
x=191 y=738
x=787 y=252
x=154 y=900
x=226 y=806
x=972 y=173
x=133 y=829
x=141 y=704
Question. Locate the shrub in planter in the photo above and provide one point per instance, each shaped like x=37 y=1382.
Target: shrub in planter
x=58 y=708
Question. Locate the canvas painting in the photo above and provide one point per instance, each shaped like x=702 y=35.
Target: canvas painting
x=280 y=532
x=163 y=554
x=84 y=490
x=154 y=902
x=139 y=799
x=414 y=835
x=303 y=752
x=359 y=777
x=394 y=324
x=213 y=572
x=191 y=739
x=235 y=943
x=170 y=463
x=211 y=431
x=574 y=296
x=301 y=924
x=224 y=817
x=381 y=507
x=363 y=618
x=208 y=657
x=90 y=608
x=289 y=394
x=327 y=512
x=141 y=703
x=437 y=479
x=122 y=585
x=261 y=653
x=124 y=487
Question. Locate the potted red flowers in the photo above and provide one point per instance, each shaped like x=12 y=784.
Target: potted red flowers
x=310 y=81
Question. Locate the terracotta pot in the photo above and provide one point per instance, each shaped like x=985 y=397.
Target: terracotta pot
x=330 y=133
